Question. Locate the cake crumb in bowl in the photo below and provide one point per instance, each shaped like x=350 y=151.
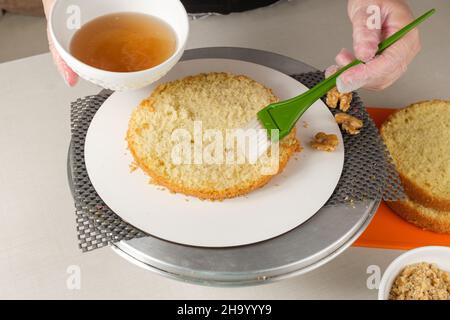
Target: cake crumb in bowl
x=437 y=255
x=421 y=281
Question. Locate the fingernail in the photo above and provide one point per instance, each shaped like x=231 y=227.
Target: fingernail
x=344 y=57
x=352 y=79
x=366 y=53
x=344 y=51
x=69 y=80
x=331 y=70
x=65 y=76
x=347 y=86
x=66 y=82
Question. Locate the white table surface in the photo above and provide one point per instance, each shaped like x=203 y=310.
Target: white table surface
x=38 y=240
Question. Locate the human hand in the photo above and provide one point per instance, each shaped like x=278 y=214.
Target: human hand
x=379 y=72
x=69 y=76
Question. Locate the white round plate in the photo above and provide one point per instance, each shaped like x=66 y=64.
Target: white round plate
x=287 y=201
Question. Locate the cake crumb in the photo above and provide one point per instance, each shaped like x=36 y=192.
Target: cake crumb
x=133 y=166
x=421 y=281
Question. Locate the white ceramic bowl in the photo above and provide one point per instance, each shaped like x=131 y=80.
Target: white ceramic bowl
x=438 y=255
x=61 y=30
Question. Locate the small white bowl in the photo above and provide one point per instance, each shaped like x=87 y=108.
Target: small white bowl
x=437 y=255
x=61 y=31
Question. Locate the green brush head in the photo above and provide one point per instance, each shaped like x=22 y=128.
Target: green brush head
x=269 y=123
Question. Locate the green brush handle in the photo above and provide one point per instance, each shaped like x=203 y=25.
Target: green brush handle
x=326 y=85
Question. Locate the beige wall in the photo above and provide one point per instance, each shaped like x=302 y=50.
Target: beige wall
x=28 y=7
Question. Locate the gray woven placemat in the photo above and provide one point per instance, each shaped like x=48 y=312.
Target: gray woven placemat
x=368 y=172
x=97 y=225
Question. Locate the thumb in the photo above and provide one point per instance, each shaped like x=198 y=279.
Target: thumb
x=69 y=76
x=365 y=38
x=377 y=74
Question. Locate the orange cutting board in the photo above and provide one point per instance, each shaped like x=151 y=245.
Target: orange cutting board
x=389 y=231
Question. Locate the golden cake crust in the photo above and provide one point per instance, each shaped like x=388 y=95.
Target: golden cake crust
x=423 y=217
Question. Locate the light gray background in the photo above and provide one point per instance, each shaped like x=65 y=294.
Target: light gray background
x=37 y=230
x=312 y=31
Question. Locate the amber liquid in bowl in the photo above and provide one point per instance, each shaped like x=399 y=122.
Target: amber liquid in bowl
x=124 y=42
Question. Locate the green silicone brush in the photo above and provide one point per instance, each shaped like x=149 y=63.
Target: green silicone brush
x=283 y=116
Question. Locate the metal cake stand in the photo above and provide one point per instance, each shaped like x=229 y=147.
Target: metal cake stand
x=320 y=239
